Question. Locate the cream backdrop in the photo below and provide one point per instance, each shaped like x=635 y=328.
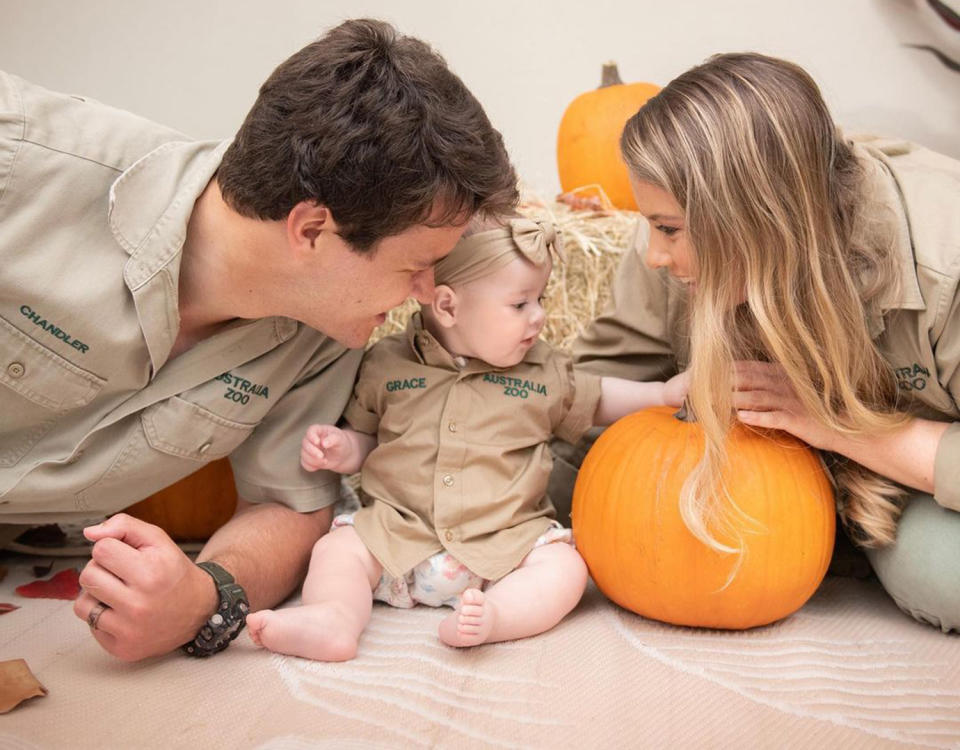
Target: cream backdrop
x=196 y=64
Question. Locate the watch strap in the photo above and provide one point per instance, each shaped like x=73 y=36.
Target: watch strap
x=227 y=620
x=219 y=574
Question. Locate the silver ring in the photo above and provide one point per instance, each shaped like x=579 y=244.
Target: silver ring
x=94 y=615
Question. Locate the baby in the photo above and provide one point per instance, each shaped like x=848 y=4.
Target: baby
x=449 y=425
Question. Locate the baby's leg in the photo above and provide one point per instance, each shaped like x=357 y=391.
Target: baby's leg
x=530 y=600
x=337 y=601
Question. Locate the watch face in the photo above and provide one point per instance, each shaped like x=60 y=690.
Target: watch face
x=226 y=623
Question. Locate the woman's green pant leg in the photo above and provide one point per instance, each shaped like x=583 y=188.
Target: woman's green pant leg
x=921 y=570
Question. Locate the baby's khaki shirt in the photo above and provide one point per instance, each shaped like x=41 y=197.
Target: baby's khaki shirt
x=462 y=460
x=913 y=196
x=94 y=205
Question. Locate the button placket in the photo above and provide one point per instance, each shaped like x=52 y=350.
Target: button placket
x=447 y=466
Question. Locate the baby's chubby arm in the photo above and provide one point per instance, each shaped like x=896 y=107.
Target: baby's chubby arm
x=619 y=397
x=326 y=446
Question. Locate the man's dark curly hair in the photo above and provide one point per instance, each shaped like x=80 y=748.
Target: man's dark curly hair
x=374 y=126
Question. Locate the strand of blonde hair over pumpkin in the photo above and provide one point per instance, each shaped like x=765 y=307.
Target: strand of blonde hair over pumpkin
x=746 y=146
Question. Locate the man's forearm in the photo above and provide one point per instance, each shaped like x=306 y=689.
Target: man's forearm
x=266 y=547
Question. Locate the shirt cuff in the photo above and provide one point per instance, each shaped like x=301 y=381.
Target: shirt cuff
x=585 y=399
x=946 y=469
x=360 y=419
x=300 y=499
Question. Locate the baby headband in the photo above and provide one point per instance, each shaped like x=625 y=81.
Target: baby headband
x=483 y=253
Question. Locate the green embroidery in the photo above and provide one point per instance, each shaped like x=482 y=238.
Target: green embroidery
x=912 y=378
x=51 y=328
x=516 y=387
x=240 y=389
x=406 y=384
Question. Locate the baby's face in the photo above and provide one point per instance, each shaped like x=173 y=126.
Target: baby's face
x=501 y=315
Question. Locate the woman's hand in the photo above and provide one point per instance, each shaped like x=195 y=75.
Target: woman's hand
x=905 y=454
x=763 y=397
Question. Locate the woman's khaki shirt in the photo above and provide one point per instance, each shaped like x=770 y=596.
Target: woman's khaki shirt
x=94 y=205
x=913 y=194
x=461 y=461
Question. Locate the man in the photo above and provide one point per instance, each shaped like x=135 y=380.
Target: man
x=164 y=303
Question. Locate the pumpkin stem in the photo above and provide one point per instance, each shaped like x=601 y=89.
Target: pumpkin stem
x=684 y=413
x=609 y=75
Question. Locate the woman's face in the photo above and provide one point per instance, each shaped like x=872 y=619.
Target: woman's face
x=669 y=246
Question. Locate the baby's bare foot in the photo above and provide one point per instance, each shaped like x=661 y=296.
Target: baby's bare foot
x=323 y=632
x=472 y=623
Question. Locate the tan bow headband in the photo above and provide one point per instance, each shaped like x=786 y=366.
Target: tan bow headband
x=483 y=253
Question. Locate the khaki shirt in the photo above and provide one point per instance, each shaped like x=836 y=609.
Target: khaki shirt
x=915 y=193
x=94 y=205
x=462 y=461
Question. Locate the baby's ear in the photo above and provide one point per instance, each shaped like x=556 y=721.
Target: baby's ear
x=444 y=305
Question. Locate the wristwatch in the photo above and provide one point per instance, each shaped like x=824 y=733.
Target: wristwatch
x=226 y=623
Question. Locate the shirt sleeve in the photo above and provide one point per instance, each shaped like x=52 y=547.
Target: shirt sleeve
x=640 y=334
x=266 y=466
x=579 y=402
x=946 y=469
x=362 y=412
x=946 y=472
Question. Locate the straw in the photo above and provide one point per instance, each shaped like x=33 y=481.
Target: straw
x=594 y=241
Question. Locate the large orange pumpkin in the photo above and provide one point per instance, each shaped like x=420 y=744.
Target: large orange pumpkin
x=193 y=508
x=588 y=142
x=627 y=524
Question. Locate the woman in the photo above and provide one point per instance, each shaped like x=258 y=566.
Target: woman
x=818 y=286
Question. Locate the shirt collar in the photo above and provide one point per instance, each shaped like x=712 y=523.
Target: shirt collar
x=150 y=207
x=430 y=352
x=885 y=220
x=151 y=203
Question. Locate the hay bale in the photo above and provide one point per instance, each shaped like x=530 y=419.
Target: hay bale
x=594 y=241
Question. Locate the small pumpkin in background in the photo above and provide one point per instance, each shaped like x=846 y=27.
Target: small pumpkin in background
x=627 y=524
x=193 y=508
x=588 y=141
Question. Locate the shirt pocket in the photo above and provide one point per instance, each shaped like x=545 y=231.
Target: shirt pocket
x=164 y=443
x=183 y=429
x=40 y=387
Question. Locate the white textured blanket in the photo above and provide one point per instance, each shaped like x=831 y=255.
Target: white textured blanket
x=847 y=671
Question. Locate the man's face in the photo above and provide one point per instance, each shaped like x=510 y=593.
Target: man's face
x=355 y=291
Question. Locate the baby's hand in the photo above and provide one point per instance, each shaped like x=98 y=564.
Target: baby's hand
x=675 y=390
x=324 y=447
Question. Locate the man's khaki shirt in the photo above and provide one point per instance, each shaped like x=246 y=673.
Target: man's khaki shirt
x=94 y=205
x=914 y=194
x=461 y=461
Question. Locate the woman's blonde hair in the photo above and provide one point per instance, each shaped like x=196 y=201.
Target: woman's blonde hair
x=770 y=192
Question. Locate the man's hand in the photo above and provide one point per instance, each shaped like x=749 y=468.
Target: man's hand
x=157 y=598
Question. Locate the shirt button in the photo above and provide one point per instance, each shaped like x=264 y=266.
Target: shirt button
x=16 y=370
x=452 y=426
x=204 y=448
x=447 y=480
x=448 y=535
